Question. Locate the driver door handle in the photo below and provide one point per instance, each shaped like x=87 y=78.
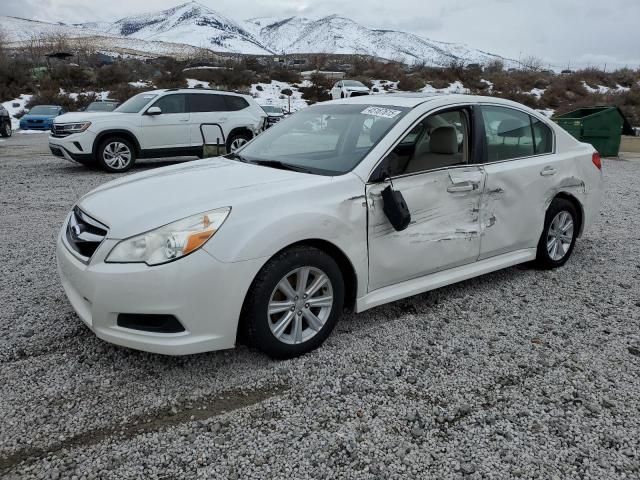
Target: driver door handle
x=461 y=187
x=548 y=171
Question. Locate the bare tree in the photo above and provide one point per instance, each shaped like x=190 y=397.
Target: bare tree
x=532 y=64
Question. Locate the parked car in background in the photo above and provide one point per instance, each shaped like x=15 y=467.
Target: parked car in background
x=5 y=123
x=41 y=117
x=159 y=123
x=349 y=88
x=346 y=204
x=102 y=106
x=274 y=114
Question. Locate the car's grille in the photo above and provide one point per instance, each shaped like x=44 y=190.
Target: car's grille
x=84 y=234
x=60 y=131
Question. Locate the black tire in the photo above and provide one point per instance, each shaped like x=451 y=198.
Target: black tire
x=6 y=130
x=255 y=328
x=544 y=259
x=237 y=137
x=100 y=154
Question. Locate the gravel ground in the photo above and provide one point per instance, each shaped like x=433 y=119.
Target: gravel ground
x=520 y=373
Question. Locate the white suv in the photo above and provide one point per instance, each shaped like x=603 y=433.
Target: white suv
x=159 y=123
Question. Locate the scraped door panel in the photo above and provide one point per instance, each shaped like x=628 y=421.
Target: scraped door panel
x=516 y=197
x=444 y=229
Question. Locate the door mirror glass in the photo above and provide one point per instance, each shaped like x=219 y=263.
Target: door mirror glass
x=154 y=111
x=395 y=208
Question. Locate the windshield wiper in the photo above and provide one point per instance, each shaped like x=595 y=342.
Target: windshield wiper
x=281 y=165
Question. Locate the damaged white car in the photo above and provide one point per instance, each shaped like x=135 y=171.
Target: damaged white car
x=348 y=204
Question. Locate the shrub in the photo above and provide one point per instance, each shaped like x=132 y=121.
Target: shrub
x=410 y=83
x=109 y=76
x=284 y=75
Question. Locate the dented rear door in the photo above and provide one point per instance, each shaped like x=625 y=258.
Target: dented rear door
x=444 y=228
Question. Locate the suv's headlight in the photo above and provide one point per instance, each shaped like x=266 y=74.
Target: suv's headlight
x=73 y=127
x=170 y=242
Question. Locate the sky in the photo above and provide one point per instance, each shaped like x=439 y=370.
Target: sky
x=572 y=33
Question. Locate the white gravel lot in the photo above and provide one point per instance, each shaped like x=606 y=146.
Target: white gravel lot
x=521 y=373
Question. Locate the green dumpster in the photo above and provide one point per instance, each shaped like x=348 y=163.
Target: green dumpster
x=601 y=126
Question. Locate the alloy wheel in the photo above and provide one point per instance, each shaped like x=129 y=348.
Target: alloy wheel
x=238 y=143
x=117 y=155
x=560 y=235
x=300 y=305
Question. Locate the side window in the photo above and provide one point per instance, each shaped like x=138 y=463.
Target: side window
x=508 y=134
x=172 y=104
x=206 y=102
x=437 y=141
x=235 y=103
x=543 y=136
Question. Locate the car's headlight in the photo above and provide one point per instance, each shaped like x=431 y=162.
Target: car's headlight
x=73 y=127
x=170 y=242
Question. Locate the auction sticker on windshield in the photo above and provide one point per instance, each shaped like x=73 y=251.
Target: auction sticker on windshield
x=381 y=112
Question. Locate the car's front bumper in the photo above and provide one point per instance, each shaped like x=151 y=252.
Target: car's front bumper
x=204 y=294
x=75 y=148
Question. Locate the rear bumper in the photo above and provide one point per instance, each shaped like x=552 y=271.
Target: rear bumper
x=203 y=294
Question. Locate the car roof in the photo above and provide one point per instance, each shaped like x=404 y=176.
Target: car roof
x=413 y=99
x=195 y=90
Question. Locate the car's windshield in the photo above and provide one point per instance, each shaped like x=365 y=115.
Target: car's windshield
x=44 y=110
x=135 y=104
x=101 y=107
x=324 y=139
x=353 y=83
x=271 y=109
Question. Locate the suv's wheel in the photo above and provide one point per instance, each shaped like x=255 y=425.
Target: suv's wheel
x=293 y=303
x=6 y=130
x=116 y=154
x=559 y=235
x=237 y=141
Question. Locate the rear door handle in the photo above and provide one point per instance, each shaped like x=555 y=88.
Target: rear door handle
x=548 y=171
x=461 y=187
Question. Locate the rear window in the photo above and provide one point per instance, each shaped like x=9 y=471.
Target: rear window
x=235 y=103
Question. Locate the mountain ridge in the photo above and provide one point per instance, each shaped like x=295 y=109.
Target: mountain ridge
x=197 y=25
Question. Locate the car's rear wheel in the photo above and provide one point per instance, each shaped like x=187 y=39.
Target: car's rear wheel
x=559 y=235
x=116 y=155
x=6 y=130
x=237 y=141
x=293 y=303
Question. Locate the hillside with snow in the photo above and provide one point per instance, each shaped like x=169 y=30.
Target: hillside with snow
x=191 y=24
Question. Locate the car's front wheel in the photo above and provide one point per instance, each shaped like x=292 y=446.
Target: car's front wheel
x=6 y=130
x=116 y=155
x=559 y=235
x=293 y=303
x=237 y=141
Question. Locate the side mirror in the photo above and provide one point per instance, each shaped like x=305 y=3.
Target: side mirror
x=154 y=111
x=395 y=208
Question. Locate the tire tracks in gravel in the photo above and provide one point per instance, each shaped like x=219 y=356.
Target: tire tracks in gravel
x=161 y=419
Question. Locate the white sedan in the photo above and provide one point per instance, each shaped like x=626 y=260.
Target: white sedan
x=346 y=205
x=349 y=88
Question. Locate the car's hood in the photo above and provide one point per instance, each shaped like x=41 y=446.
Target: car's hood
x=37 y=117
x=141 y=202
x=77 y=117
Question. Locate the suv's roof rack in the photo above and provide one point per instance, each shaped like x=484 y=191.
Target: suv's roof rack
x=172 y=89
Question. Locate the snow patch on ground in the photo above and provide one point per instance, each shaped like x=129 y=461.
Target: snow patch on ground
x=14 y=107
x=271 y=94
x=455 y=88
x=537 y=92
x=141 y=84
x=193 y=83
x=603 y=90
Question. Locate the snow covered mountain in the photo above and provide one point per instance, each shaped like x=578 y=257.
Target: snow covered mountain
x=193 y=24
x=189 y=23
x=340 y=35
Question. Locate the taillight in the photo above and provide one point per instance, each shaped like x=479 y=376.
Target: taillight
x=597 y=161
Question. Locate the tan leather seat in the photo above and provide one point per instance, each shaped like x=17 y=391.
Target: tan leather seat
x=442 y=151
